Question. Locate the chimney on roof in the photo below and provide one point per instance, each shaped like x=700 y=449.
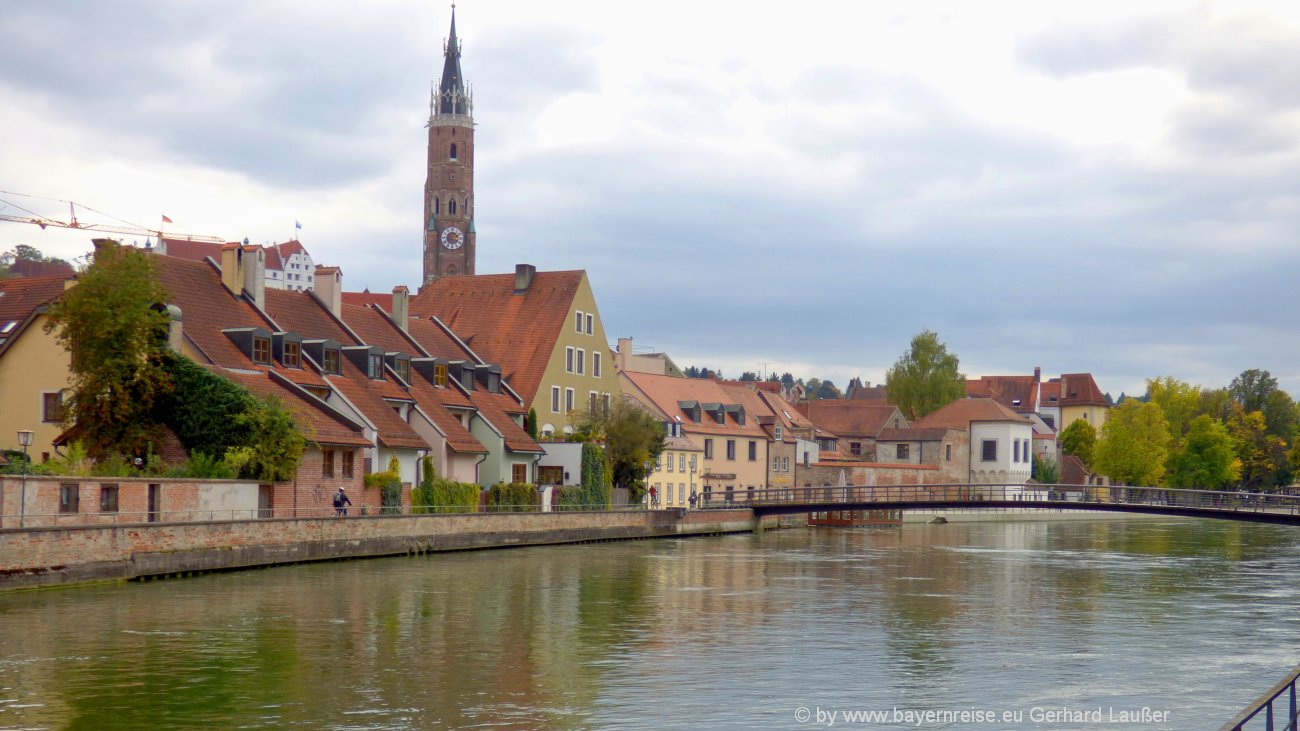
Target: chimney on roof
x=524 y=277
x=1038 y=374
x=329 y=287
x=175 y=334
x=624 y=351
x=401 y=306
x=254 y=260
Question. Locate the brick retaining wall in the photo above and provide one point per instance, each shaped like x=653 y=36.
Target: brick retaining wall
x=33 y=557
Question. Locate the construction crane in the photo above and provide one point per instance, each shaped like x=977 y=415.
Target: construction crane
x=72 y=222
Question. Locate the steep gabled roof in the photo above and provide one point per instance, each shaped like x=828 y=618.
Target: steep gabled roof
x=302 y=313
x=366 y=297
x=960 y=413
x=852 y=418
x=1079 y=389
x=20 y=300
x=316 y=421
x=29 y=268
x=914 y=434
x=517 y=330
x=207 y=308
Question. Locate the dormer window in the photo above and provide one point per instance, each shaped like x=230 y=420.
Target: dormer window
x=776 y=433
x=440 y=375
x=333 y=362
x=376 y=367
x=262 y=351
x=292 y=355
x=403 y=368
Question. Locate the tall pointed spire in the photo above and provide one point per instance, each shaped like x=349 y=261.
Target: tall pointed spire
x=452 y=98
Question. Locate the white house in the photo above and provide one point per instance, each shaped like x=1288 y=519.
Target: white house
x=1001 y=441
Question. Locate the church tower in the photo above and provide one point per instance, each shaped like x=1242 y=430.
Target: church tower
x=449 y=187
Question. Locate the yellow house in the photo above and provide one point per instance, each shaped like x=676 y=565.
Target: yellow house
x=1080 y=398
x=34 y=368
x=730 y=444
x=544 y=329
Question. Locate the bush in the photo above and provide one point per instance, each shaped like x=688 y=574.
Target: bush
x=389 y=483
x=450 y=496
x=594 y=492
x=516 y=497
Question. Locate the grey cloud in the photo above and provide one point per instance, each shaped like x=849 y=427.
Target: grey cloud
x=1078 y=49
x=1229 y=131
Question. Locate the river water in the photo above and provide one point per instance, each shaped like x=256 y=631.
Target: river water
x=1189 y=619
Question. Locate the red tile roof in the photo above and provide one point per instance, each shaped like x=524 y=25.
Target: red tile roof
x=1016 y=392
x=497 y=408
x=366 y=297
x=207 y=308
x=914 y=434
x=852 y=418
x=960 y=413
x=375 y=329
x=1049 y=393
x=315 y=420
x=666 y=391
x=1079 y=389
x=1073 y=472
x=368 y=396
x=517 y=331
x=300 y=312
x=434 y=402
x=20 y=298
x=437 y=341
x=868 y=393
x=191 y=250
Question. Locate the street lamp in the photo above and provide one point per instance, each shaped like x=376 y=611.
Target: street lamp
x=25 y=440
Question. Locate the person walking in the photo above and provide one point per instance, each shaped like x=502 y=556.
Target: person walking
x=341 y=502
x=654 y=497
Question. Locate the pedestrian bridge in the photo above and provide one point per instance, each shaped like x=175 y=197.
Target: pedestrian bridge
x=1253 y=507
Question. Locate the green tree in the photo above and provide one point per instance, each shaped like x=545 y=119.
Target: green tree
x=1217 y=404
x=530 y=423
x=1251 y=389
x=277 y=445
x=1134 y=444
x=1180 y=402
x=1281 y=415
x=1079 y=439
x=28 y=253
x=1263 y=456
x=925 y=378
x=633 y=437
x=787 y=380
x=1206 y=458
x=749 y=376
x=1046 y=471
x=116 y=334
x=827 y=390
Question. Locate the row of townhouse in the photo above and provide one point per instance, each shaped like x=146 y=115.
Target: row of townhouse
x=364 y=385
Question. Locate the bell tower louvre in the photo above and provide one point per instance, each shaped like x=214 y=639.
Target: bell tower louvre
x=449 y=239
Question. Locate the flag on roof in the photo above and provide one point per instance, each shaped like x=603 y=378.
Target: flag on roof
x=297 y=225
x=166 y=219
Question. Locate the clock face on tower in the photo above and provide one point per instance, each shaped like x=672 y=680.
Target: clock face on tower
x=452 y=238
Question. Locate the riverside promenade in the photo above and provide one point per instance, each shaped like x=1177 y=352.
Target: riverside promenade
x=54 y=556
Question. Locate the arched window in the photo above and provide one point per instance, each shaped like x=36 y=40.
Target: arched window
x=451 y=270
x=451 y=206
x=437 y=206
x=453 y=150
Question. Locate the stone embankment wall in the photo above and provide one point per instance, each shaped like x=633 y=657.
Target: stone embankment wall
x=31 y=557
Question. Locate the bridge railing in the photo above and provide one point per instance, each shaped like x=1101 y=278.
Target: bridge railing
x=1274 y=711
x=1057 y=495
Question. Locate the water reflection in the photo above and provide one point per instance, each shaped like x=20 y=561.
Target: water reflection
x=724 y=632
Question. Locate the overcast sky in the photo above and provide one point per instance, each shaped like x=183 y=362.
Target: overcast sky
x=1110 y=187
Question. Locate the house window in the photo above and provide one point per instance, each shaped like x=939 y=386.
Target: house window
x=1015 y=450
x=989 y=449
x=582 y=360
x=453 y=151
x=776 y=464
x=902 y=451
x=785 y=464
x=262 y=351
x=591 y=402
x=52 y=407
x=577 y=321
x=69 y=497
x=753 y=451
x=568 y=360
x=720 y=417
x=333 y=362
x=595 y=364
x=376 y=367
x=292 y=355
x=555 y=399
x=349 y=460
x=327 y=463
x=403 y=368
x=440 y=375
x=605 y=403
x=519 y=473
x=855 y=448
x=708 y=449
x=776 y=433
x=681 y=463
x=568 y=400
x=947 y=452
x=590 y=320
x=731 y=449
x=670 y=463
x=108 y=498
